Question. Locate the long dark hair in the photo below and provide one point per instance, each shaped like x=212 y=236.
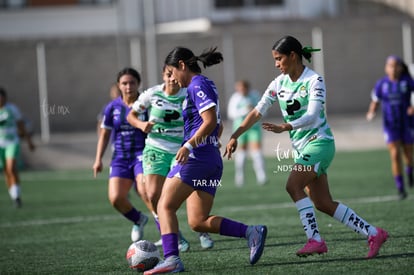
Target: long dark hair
x=288 y=44
x=3 y=92
x=129 y=71
x=405 y=70
x=208 y=58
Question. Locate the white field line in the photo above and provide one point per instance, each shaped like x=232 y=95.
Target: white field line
x=291 y=204
x=234 y=209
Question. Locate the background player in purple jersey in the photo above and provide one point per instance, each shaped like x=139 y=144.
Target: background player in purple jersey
x=199 y=166
x=394 y=92
x=114 y=92
x=128 y=144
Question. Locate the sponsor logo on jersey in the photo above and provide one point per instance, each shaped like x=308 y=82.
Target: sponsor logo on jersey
x=204 y=103
x=159 y=102
x=318 y=92
x=201 y=95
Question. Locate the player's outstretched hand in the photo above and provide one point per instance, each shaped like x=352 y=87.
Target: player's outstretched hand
x=273 y=127
x=230 y=148
x=97 y=168
x=370 y=116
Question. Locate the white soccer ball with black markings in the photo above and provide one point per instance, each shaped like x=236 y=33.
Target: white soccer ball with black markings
x=142 y=255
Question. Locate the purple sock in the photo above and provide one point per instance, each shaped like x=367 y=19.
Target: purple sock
x=157 y=223
x=133 y=215
x=399 y=183
x=232 y=228
x=170 y=244
x=409 y=172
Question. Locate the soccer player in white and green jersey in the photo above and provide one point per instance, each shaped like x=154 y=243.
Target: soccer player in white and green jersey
x=11 y=126
x=301 y=95
x=240 y=104
x=165 y=128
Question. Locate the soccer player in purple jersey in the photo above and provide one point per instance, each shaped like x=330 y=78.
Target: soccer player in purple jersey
x=199 y=167
x=394 y=92
x=128 y=143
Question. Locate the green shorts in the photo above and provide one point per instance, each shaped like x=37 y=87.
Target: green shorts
x=11 y=151
x=317 y=154
x=157 y=162
x=254 y=134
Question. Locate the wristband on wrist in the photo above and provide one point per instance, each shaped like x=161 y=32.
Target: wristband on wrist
x=188 y=146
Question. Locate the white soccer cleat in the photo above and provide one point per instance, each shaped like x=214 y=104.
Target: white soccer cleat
x=137 y=232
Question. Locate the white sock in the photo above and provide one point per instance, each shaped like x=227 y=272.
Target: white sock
x=154 y=215
x=14 y=191
x=259 y=166
x=347 y=216
x=239 y=162
x=308 y=218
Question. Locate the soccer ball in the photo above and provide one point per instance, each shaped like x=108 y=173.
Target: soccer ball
x=142 y=255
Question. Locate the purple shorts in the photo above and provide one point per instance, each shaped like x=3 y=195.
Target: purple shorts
x=405 y=135
x=126 y=168
x=202 y=172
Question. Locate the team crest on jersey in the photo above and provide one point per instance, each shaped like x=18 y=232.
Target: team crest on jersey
x=303 y=92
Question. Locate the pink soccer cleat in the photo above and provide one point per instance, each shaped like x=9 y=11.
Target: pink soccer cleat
x=375 y=242
x=312 y=247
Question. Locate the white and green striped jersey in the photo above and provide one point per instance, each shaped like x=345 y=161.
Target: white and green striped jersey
x=166 y=112
x=294 y=99
x=240 y=105
x=9 y=116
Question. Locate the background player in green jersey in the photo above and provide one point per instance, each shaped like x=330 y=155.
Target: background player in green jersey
x=165 y=128
x=240 y=104
x=301 y=95
x=11 y=127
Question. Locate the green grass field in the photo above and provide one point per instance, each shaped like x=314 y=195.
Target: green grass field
x=67 y=226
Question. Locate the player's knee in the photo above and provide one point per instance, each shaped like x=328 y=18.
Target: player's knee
x=196 y=225
x=165 y=207
x=115 y=200
x=153 y=197
x=290 y=188
x=10 y=171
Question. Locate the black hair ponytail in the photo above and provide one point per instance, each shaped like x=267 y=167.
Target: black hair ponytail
x=288 y=44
